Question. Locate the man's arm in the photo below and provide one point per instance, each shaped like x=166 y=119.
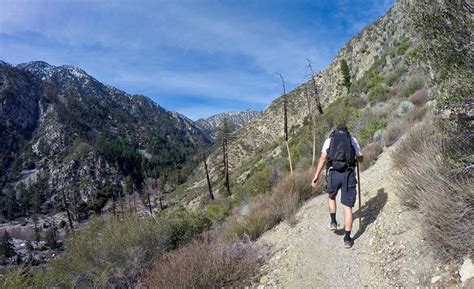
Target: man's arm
x=319 y=167
x=359 y=157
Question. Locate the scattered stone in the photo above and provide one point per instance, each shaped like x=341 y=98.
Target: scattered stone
x=467 y=270
x=264 y=279
x=435 y=279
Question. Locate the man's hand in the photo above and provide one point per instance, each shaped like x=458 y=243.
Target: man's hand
x=315 y=182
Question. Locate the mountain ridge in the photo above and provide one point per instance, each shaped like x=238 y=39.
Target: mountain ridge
x=235 y=120
x=68 y=130
x=362 y=52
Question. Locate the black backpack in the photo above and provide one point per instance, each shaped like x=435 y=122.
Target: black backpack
x=341 y=153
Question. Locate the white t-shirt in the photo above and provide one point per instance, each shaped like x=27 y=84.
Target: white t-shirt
x=354 y=143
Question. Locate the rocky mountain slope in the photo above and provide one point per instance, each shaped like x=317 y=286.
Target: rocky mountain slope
x=235 y=120
x=68 y=139
x=376 y=52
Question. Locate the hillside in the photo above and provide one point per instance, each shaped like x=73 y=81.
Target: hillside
x=383 y=65
x=68 y=139
x=401 y=97
x=235 y=119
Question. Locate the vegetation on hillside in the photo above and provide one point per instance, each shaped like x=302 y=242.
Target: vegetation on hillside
x=435 y=164
x=208 y=246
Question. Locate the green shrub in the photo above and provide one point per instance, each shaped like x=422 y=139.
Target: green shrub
x=217 y=212
x=378 y=136
x=181 y=226
x=15 y=277
x=114 y=251
x=370 y=78
x=367 y=132
x=412 y=86
x=393 y=76
x=105 y=252
x=405 y=107
x=378 y=93
x=375 y=80
x=339 y=111
x=259 y=182
x=402 y=46
x=268 y=210
x=414 y=54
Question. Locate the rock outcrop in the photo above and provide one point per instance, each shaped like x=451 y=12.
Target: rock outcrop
x=64 y=132
x=235 y=120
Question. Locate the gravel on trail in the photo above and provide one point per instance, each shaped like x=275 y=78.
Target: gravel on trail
x=388 y=248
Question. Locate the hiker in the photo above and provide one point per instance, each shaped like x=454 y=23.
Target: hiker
x=340 y=152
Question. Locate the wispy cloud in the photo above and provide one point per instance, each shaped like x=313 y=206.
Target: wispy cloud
x=211 y=54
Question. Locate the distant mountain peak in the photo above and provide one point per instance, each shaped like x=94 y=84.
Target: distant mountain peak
x=3 y=63
x=45 y=70
x=235 y=119
x=76 y=71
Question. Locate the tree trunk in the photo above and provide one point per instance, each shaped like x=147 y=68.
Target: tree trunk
x=315 y=88
x=209 y=187
x=289 y=157
x=285 y=122
x=66 y=206
x=312 y=125
x=226 y=167
x=149 y=203
x=160 y=198
x=314 y=148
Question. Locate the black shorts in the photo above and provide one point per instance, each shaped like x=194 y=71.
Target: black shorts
x=345 y=181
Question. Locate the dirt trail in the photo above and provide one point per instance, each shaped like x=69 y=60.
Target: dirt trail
x=388 y=248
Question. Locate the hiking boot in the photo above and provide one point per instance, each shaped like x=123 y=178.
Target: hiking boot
x=348 y=243
x=333 y=226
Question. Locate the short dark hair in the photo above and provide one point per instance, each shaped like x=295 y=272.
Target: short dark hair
x=341 y=126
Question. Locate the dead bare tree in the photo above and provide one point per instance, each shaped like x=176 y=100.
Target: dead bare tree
x=315 y=88
x=223 y=138
x=150 y=189
x=160 y=195
x=312 y=124
x=209 y=187
x=66 y=207
x=285 y=121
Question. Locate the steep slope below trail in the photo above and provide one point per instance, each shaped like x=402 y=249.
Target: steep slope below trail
x=388 y=250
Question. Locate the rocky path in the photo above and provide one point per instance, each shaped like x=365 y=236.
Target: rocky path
x=388 y=248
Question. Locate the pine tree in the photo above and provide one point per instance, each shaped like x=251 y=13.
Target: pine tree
x=128 y=192
x=10 y=203
x=151 y=188
x=346 y=76
x=24 y=200
x=6 y=247
x=51 y=238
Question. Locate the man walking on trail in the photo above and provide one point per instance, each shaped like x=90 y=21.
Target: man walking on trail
x=340 y=153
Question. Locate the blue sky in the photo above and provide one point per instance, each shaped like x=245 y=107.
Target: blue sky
x=195 y=57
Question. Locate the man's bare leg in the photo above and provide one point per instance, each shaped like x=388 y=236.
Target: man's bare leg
x=332 y=213
x=332 y=205
x=347 y=226
x=347 y=218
